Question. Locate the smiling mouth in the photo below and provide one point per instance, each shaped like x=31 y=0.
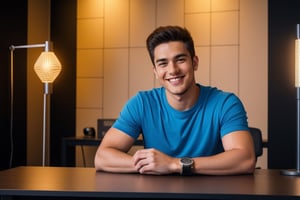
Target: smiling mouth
x=175 y=79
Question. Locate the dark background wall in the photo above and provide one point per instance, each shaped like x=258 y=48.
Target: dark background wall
x=283 y=18
x=13 y=21
x=63 y=100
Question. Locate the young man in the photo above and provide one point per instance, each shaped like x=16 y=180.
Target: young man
x=187 y=128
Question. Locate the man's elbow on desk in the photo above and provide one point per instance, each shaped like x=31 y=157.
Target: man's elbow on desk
x=106 y=161
x=226 y=163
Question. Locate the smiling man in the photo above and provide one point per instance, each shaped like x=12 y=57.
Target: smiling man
x=187 y=128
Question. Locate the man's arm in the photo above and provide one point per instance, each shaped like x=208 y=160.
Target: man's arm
x=112 y=153
x=238 y=158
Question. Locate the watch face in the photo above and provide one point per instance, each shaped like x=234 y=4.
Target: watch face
x=187 y=161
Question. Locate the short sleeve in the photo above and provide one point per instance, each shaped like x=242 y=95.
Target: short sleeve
x=129 y=120
x=234 y=116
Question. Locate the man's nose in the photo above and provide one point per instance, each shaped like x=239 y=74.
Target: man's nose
x=173 y=67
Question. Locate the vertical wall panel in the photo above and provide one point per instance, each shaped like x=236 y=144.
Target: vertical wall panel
x=141 y=75
x=116 y=23
x=142 y=14
x=89 y=86
x=202 y=74
x=253 y=77
x=221 y=5
x=89 y=8
x=253 y=53
x=89 y=93
x=224 y=68
x=90 y=63
x=199 y=26
x=170 y=12
x=196 y=6
x=115 y=81
x=89 y=72
x=90 y=33
x=225 y=28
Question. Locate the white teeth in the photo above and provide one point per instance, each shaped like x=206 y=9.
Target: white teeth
x=174 y=79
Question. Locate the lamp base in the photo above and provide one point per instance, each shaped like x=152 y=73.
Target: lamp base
x=290 y=172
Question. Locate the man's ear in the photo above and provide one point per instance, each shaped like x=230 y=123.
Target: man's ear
x=155 y=72
x=195 y=62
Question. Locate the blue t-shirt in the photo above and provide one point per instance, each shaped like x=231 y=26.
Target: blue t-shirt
x=194 y=132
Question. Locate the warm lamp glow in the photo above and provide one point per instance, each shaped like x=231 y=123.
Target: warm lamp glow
x=47 y=67
x=297 y=63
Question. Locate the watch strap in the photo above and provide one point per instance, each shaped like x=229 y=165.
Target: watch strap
x=186 y=170
x=187 y=165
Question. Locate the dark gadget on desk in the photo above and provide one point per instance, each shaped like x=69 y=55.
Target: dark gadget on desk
x=104 y=125
x=89 y=132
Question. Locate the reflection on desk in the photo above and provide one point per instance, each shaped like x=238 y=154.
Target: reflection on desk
x=86 y=182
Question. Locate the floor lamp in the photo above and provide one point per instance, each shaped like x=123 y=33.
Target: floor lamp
x=296 y=172
x=47 y=68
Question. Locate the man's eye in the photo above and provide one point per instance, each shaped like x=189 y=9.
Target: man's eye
x=180 y=60
x=162 y=64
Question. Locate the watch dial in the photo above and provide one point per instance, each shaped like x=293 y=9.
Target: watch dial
x=187 y=161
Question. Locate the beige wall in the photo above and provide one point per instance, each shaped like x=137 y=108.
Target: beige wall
x=112 y=62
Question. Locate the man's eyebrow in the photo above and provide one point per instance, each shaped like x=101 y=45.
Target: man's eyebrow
x=175 y=57
x=160 y=60
x=181 y=55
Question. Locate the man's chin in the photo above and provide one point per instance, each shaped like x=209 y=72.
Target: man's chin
x=177 y=91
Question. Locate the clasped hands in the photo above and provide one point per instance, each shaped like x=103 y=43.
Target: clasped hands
x=152 y=161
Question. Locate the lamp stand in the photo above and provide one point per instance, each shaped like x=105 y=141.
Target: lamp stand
x=296 y=172
x=46 y=106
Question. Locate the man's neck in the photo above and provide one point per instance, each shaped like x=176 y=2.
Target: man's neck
x=184 y=101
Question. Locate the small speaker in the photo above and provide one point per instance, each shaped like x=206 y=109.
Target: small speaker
x=89 y=132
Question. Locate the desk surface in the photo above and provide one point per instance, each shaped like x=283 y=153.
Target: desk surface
x=86 y=182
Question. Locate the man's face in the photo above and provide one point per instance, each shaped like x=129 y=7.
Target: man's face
x=174 y=67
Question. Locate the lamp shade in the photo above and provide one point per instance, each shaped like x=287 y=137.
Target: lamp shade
x=47 y=67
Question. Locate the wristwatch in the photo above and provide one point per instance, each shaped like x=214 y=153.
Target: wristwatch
x=187 y=165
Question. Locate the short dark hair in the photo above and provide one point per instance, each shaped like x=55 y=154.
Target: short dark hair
x=165 y=34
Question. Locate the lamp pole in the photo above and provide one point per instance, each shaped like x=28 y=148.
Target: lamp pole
x=296 y=172
x=46 y=125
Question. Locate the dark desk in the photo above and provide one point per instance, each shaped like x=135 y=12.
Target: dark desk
x=81 y=141
x=74 y=182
